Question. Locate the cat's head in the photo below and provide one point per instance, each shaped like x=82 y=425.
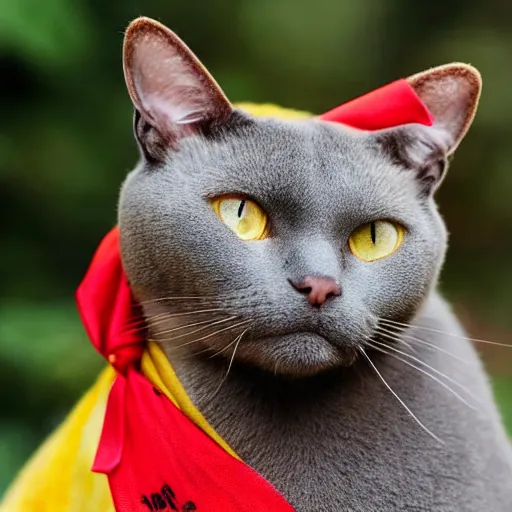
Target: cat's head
x=284 y=239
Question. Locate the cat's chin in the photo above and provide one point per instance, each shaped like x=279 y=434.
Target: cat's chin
x=297 y=354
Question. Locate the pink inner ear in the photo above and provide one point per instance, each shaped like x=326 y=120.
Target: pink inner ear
x=167 y=87
x=394 y=104
x=451 y=98
x=167 y=83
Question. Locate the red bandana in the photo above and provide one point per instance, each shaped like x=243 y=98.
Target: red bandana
x=155 y=457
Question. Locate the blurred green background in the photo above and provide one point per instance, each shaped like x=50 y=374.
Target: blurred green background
x=66 y=145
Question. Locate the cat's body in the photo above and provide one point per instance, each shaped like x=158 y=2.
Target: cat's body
x=311 y=359
x=342 y=442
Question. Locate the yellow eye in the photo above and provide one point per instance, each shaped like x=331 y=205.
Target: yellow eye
x=247 y=219
x=376 y=240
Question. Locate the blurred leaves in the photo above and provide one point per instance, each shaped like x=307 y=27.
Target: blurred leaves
x=48 y=33
x=47 y=363
x=502 y=391
x=46 y=344
x=66 y=144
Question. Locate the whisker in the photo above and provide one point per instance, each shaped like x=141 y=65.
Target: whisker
x=433 y=377
x=158 y=316
x=460 y=336
x=127 y=330
x=196 y=330
x=187 y=326
x=165 y=299
x=153 y=318
x=133 y=321
x=190 y=356
x=382 y=331
x=395 y=338
x=449 y=379
x=161 y=318
x=238 y=340
x=195 y=312
x=211 y=334
x=141 y=323
x=413 y=416
x=206 y=350
x=222 y=350
x=275 y=366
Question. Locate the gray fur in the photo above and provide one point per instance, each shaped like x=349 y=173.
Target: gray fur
x=300 y=404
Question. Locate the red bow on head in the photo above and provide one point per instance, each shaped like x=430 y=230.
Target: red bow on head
x=104 y=298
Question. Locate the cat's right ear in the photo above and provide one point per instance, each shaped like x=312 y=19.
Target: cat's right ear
x=451 y=94
x=173 y=94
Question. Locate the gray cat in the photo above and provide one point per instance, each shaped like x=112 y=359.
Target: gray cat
x=306 y=254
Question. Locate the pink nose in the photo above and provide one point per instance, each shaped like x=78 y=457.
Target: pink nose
x=318 y=289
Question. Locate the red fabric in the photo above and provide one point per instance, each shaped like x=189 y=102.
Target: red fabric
x=111 y=317
x=184 y=466
x=154 y=456
x=392 y=105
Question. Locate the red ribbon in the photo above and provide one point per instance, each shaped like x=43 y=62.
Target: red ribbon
x=154 y=456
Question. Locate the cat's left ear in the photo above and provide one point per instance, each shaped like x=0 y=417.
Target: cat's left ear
x=173 y=94
x=451 y=94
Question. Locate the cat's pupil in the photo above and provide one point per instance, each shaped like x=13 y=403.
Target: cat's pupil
x=372 y=232
x=241 y=209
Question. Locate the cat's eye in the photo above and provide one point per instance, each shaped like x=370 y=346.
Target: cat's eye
x=376 y=240
x=243 y=216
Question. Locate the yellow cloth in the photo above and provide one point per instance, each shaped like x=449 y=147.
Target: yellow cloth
x=67 y=455
x=58 y=477
x=158 y=370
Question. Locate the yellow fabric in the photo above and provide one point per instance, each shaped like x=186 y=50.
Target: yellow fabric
x=158 y=370
x=269 y=110
x=67 y=455
x=58 y=478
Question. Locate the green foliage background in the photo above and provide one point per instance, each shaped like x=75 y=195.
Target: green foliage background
x=66 y=145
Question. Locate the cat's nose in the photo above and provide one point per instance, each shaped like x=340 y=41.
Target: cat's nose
x=318 y=289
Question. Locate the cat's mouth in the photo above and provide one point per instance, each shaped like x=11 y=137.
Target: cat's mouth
x=298 y=353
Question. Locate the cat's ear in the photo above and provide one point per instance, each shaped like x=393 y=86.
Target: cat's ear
x=173 y=94
x=451 y=94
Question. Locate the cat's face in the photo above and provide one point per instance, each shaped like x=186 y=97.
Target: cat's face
x=286 y=240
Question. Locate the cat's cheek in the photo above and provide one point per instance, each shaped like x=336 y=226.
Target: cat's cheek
x=395 y=287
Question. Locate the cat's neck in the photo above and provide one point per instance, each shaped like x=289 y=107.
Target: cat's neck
x=213 y=389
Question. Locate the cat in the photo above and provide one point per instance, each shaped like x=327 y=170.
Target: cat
x=306 y=255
